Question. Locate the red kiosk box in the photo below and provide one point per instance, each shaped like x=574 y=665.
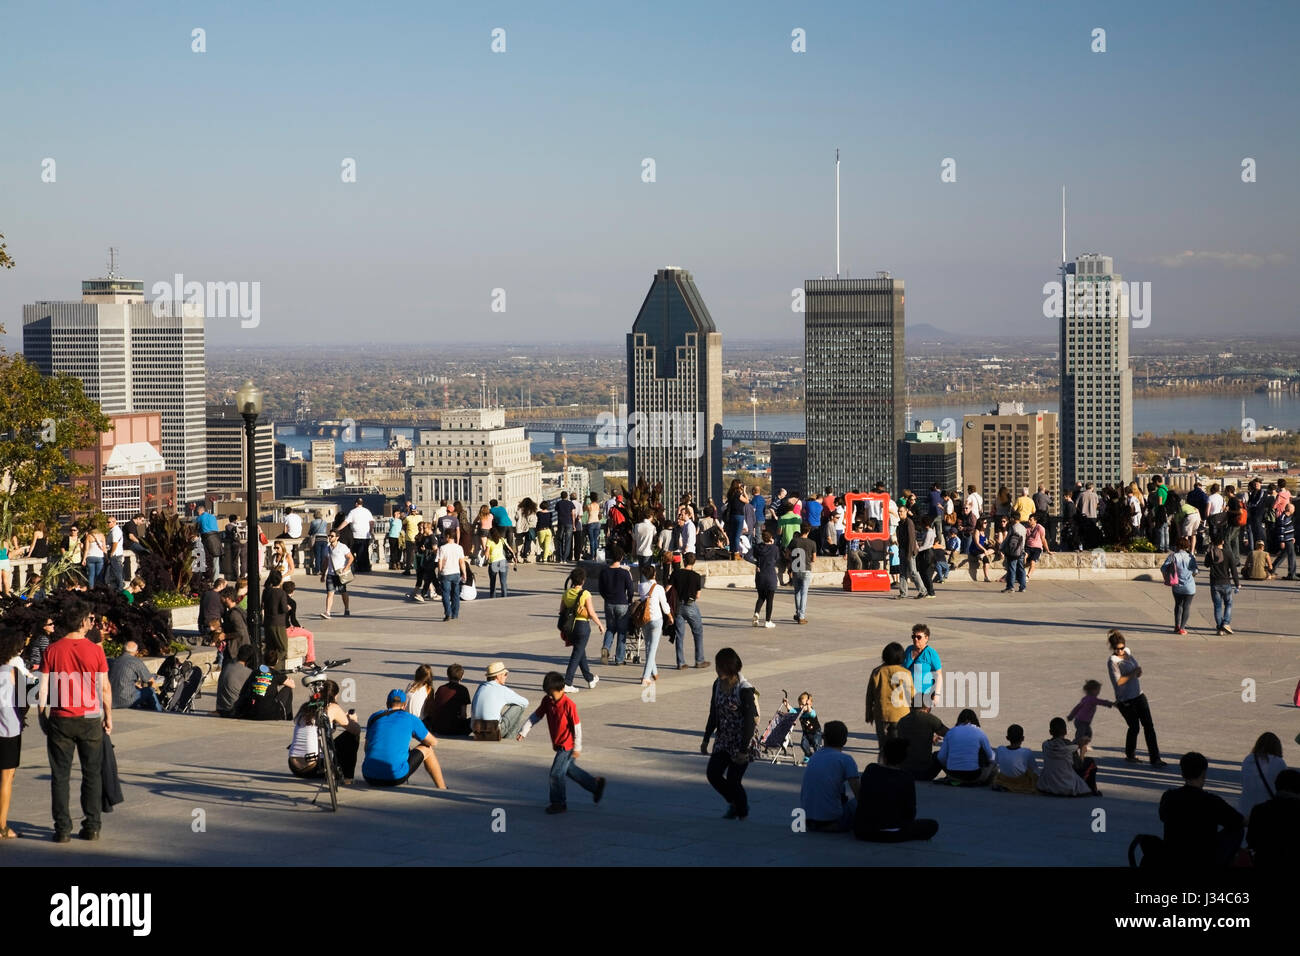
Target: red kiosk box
x=866 y=580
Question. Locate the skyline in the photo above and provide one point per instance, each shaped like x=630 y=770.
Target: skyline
x=522 y=170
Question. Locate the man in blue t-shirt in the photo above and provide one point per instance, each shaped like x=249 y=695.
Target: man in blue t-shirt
x=501 y=519
x=389 y=758
x=825 y=804
x=814 y=513
x=923 y=661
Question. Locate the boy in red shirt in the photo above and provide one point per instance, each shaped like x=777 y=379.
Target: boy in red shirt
x=566 y=737
x=75 y=705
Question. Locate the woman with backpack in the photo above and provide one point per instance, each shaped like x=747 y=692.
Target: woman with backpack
x=1179 y=570
x=577 y=614
x=1225 y=580
x=733 y=714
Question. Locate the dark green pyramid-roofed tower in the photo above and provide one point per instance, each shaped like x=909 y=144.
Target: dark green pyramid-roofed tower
x=674 y=391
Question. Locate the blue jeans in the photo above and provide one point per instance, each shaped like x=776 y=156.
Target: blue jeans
x=593 y=538
x=113 y=574
x=94 y=567
x=1162 y=536
x=578 y=659
x=450 y=584
x=651 y=632
x=563 y=544
x=497 y=571
x=1015 y=573
x=811 y=743
x=735 y=528
x=320 y=555
x=565 y=766
x=941 y=571
x=146 y=699
x=1222 y=596
x=1287 y=548
x=688 y=615
x=616 y=626
x=802 y=580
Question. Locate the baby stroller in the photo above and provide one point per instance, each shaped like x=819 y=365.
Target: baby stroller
x=775 y=740
x=181 y=680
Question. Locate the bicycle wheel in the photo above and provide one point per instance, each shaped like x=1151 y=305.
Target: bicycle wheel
x=329 y=762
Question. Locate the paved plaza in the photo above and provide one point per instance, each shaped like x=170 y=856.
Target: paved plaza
x=201 y=790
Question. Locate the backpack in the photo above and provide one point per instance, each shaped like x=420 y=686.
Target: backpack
x=1214 y=553
x=1014 y=546
x=569 y=617
x=1169 y=570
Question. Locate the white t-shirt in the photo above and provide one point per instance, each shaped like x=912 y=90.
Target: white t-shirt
x=658 y=602
x=11 y=724
x=293 y=525
x=360 y=519
x=449 y=558
x=975 y=503
x=306 y=740
x=415 y=700
x=644 y=533
x=115 y=541
x=1214 y=505
x=339 y=557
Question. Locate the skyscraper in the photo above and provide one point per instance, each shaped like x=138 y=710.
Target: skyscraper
x=674 y=389
x=1096 y=381
x=853 y=381
x=228 y=452
x=131 y=360
x=927 y=457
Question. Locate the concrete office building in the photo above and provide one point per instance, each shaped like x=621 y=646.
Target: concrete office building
x=131 y=360
x=125 y=471
x=321 y=470
x=473 y=458
x=1009 y=448
x=853 y=382
x=926 y=456
x=227 y=452
x=1096 y=381
x=674 y=389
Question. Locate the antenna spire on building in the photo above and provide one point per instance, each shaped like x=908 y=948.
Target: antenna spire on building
x=1062 y=225
x=112 y=263
x=837 y=212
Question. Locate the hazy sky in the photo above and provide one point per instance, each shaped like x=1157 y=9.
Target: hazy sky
x=522 y=170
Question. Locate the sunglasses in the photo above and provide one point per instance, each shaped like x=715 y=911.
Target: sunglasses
x=918 y=637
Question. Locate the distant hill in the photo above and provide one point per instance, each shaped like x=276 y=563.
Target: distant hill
x=925 y=332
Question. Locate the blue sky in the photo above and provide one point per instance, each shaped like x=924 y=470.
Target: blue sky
x=522 y=170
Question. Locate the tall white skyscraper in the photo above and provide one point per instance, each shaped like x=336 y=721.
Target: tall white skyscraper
x=1096 y=381
x=130 y=360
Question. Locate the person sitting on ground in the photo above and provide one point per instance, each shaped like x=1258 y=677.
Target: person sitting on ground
x=305 y=747
x=419 y=689
x=495 y=701
x=133 y=685
x=822 y=795
x=1201 y=829
x=390 y=760
x=1084 y=765
x=966 y=753
x=886 y=810
x=446 y=712
x=1059 y=777
x=922 y=730
x=1017 y=768
x=1274 y=830
x=234 y=675
x=267 y=694
x=1260 y=566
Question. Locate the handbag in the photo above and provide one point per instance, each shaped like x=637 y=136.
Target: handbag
x=468 y=592
x=1170 y=571
x=639 y=614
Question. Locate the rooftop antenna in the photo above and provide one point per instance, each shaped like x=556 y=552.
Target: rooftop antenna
x=112 y=263
x=1062 y=225
x=1065 y=305
x=837 y=212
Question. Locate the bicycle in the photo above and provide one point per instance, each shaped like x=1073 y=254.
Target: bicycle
x=314 y=679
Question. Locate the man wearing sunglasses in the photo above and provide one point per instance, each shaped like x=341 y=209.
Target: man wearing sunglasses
x=926 y=668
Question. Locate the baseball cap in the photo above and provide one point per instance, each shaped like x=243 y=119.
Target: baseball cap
x=396 y=696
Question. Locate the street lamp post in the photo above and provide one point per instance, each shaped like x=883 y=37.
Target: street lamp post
x=249 y=402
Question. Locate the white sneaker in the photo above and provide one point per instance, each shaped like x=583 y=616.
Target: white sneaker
x=595 y=679
x=770 y=624
x=570 y=689
x=417 y=597
x=755 y=624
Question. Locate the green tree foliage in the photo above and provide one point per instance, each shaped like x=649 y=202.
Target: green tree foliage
x=6 y=262
x=44 y=420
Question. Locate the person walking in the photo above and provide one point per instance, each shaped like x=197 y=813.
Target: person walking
x=1179 y=570
x=499 y=557
x=616 y=592
x=451 y=571
x=336 y=572
x=661 y=615
x=801 y=553
x=1225 y=581
x=733 y=715
x=1013 y=549
x=526 y=525
x=576 y=597
x=907 y=551
x=75 y=708
x=318 y=532
x=766 y=557
x=545 y=534
x=1285 y=522
x=1125 y=673
x=686 y=584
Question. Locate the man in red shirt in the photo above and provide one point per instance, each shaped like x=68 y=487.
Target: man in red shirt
x=75 y=707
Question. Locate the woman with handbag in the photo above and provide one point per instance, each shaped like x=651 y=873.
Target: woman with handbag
x=1259 y=773
x=577 y=614
x=650 y=613
x=1179 y=570
x=733 y=714
x=336 y=574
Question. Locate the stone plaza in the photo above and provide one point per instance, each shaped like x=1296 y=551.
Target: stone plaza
x=204 y=791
